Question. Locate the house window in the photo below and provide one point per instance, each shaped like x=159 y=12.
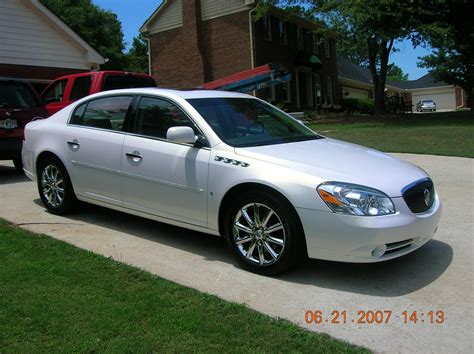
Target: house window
x=315 y=42
x=286 y=89
x=300 y=38
x=318 y=95
x=267 y=28
x=304 y=88
x=330 y=90
x=282 y=32
x=327 y=47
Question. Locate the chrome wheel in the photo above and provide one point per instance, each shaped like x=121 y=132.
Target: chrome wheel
x=52 y=186
x=259 y=234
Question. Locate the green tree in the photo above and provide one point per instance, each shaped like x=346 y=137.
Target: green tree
x=98 y=27
x=368 y=30
x=451 y=35
x=395 y=73
x=137 y=56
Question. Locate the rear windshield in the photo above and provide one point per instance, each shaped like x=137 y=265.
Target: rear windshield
x=115 y=82
x=17 y=95
x=427 y=101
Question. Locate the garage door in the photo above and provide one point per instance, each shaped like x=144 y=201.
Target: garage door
x=350 y=92
x=444 y=100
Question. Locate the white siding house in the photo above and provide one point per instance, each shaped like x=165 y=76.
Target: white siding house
x=37 y=45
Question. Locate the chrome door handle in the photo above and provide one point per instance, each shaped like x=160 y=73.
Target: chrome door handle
x=134 y=155
x=75 y=144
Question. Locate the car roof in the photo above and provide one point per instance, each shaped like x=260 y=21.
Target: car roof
x=186 y=94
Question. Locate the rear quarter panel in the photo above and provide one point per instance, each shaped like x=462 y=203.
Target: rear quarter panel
x=46 y=135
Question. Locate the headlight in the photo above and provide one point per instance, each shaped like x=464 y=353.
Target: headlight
x=354 y=199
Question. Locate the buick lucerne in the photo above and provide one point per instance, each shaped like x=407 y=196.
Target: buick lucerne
x=233 y=165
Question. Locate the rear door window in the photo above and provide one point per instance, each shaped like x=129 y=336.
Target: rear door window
x=80 y=87
x=104 y=113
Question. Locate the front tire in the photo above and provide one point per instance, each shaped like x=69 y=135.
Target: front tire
x=54 y=187
x=264 y=233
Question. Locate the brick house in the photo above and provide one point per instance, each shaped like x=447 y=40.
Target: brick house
x=197 y=41
x=38 y=47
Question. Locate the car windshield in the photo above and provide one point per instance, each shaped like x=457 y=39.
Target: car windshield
x=427 y=101
x=17 y=95
x=244 y=122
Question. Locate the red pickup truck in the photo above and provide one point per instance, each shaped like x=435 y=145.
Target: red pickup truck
x=67 y=89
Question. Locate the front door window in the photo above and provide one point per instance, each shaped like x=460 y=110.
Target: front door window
x=55 y=93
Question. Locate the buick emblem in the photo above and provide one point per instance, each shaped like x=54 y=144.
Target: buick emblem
x=427 y=195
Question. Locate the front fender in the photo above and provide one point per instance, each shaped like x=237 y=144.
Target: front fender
x=298 y=187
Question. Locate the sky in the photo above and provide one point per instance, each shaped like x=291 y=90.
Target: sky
x=133 y=13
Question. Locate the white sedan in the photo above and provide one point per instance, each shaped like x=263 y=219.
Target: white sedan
x=230 y=164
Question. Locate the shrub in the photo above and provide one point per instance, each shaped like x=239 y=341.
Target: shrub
x=359 y=105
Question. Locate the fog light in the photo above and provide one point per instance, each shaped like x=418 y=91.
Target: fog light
x=379 y=251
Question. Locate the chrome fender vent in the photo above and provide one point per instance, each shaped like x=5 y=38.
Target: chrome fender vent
x=231 y=161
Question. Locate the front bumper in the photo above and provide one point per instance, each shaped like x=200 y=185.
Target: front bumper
x=347 y=238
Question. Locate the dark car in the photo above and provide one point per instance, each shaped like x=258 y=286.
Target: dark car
x=19 y=104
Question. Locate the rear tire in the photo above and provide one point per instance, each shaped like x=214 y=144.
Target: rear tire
x=18 y=165
x=55 y=187
x=265 y=233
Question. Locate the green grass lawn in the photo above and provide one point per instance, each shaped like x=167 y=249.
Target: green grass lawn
x=58 y=298
x=449 y=134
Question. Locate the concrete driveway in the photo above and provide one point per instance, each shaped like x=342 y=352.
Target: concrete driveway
x=437 y=277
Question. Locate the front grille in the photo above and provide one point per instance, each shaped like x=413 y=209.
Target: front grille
x=398 y=246
x=420 y=197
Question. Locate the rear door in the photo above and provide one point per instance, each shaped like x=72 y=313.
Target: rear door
x=80 y=88
x=94 y=140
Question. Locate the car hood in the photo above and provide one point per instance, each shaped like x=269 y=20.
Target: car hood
x=334 y=160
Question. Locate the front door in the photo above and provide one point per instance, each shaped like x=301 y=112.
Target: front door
x=160 y=177
x=304 y=89
x=94 y=141
x=55 y=96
